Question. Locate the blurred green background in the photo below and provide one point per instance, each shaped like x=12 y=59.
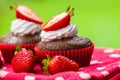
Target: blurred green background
x=99 y=20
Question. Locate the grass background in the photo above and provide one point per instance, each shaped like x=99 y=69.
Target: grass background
x=99 y=20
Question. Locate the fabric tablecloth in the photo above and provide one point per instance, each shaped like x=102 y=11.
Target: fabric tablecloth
x=104 y=65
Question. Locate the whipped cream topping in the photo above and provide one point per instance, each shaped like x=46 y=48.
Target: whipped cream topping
x=21 y=27
x=67 y=31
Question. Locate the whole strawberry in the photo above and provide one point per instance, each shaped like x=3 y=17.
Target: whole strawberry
x=23 y=61
x=59 y=63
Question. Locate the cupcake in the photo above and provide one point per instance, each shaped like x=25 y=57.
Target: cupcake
x=59 y=37
x=25 y=32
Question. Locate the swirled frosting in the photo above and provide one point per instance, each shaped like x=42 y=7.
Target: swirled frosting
x=67 y=31
x=21 y=27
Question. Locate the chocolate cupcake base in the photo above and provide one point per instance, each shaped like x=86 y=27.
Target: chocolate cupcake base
x=82 y=56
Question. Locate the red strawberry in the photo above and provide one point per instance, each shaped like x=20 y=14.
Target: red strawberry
x=60 y=63
x=23 y=61
x=25 y=13
x=59 y=21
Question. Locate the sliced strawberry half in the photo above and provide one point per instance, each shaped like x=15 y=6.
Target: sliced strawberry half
x=22 y=12
x=58 y=22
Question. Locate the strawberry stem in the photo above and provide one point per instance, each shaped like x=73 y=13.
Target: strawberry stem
x=18 y=48
x=30 y=51
x=13 y=7
x=45 y=63
x=70 y=10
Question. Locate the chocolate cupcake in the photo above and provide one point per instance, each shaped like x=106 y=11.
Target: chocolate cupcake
x=26 y=39
x=70 y=43
x=25 y=32
x=59 y=37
